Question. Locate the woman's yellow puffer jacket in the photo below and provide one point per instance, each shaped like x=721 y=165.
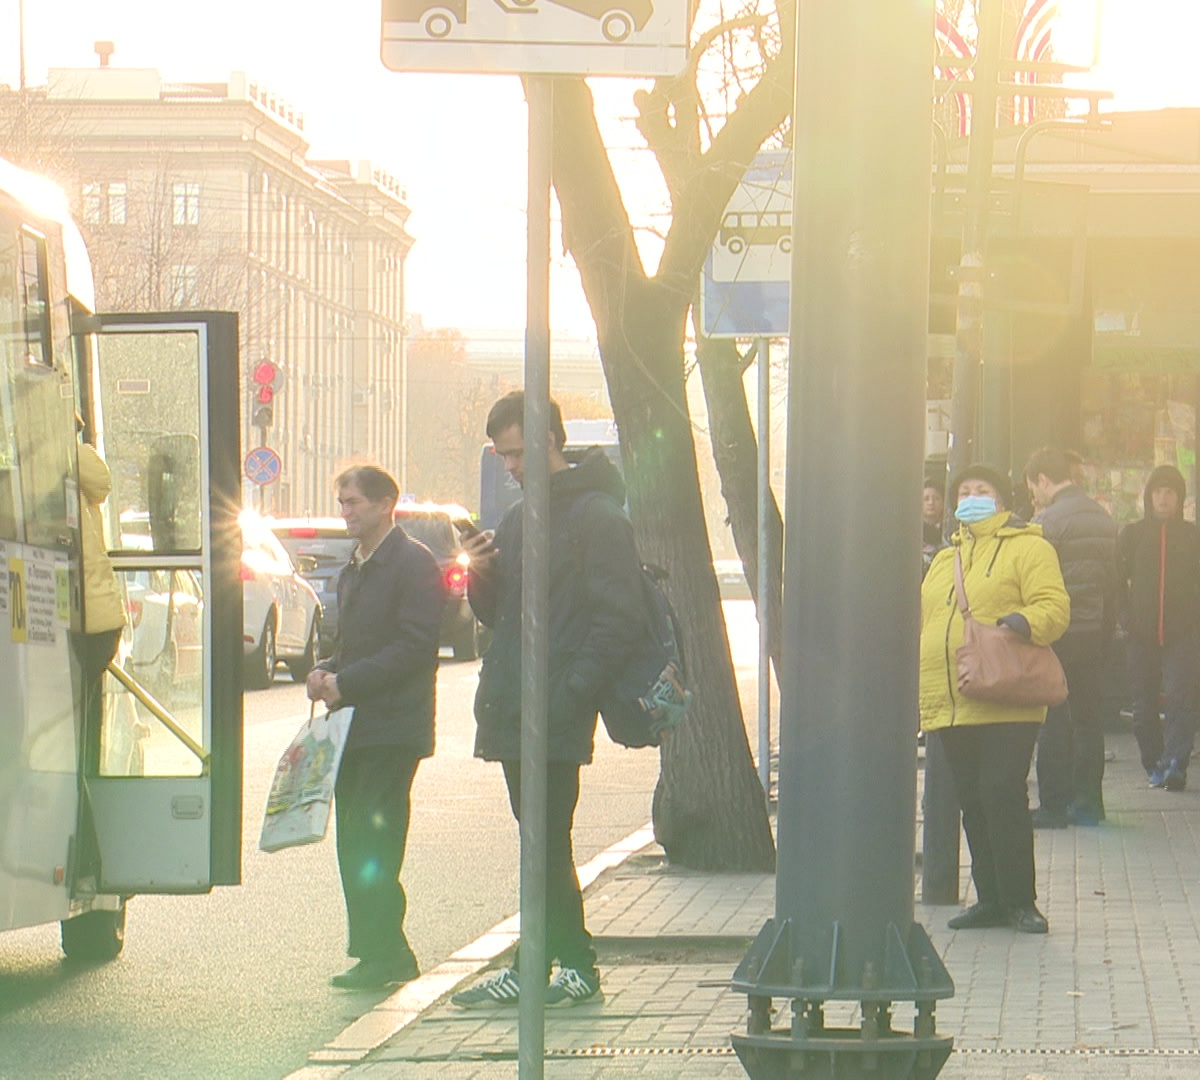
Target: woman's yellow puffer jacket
x=102 y=606
x=1008 y=568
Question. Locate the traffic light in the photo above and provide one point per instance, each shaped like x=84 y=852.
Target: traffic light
x=267 y=378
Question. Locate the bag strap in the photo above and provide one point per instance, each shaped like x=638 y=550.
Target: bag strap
x=959 y=589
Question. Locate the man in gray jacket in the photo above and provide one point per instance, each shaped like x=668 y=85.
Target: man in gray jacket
x=1070 y=754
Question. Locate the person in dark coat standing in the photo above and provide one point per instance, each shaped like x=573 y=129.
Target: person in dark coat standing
x=1070 y=751
x=1158 y=560
x=390 y=600
x=595 y=591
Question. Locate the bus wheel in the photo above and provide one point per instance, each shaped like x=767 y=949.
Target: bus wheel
x=616 y=25
x=95 y=936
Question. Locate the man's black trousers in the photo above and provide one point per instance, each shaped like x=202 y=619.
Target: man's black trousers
x=1070 y=751
x=567 y=939
x=372 y=804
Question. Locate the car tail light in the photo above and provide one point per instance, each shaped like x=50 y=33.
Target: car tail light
x=456 y=579
x=245 y=573
x=134 y=608
x=303 y=532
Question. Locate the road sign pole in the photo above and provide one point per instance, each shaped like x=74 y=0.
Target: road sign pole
x=764 y=577
x=531 y=1029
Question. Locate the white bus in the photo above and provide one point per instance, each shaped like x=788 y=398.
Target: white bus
x=146 y=796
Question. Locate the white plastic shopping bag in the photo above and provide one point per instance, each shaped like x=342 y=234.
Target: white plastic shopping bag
x=301 y=793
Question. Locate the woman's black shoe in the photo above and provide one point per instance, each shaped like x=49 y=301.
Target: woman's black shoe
x=980 y=915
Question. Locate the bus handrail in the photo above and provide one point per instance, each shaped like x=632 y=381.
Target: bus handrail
x=161 y=715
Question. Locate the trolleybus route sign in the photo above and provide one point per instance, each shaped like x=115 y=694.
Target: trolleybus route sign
x=263 y=465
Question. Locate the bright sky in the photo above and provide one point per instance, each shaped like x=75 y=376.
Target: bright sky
x=457 y=142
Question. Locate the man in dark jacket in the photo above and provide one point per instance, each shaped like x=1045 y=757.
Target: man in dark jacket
x=390 y=599
x=1158 y=560
x=1070 y=751
x=594 y=589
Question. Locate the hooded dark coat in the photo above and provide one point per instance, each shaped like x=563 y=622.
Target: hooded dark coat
x=594 y=604
x=1158 y=562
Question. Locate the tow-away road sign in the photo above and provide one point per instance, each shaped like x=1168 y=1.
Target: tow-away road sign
x=536 y=37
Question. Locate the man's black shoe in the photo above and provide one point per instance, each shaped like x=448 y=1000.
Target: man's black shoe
x=1028 y=920
x=374 y=974
x=1078 y=814
x=980 y=915
x=1049 y=819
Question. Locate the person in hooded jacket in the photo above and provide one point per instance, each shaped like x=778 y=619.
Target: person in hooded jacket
x=594 y=589
x=1158 y=563
x=1012 y=578
x=103 y=607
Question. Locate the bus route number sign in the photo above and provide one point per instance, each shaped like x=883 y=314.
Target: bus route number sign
x=263 y=465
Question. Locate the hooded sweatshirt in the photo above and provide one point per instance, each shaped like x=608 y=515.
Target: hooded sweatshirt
x=594 y=601
x=1158 y=562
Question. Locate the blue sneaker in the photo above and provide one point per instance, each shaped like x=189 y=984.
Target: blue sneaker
x=1175 y=778
x=1157 y=777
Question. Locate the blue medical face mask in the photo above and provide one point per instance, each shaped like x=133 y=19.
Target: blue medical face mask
x=973 y=508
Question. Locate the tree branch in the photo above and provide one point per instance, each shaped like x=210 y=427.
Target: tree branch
x=704 y=195
x=596 y=228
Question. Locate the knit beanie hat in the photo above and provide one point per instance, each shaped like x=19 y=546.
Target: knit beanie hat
x=987 y=474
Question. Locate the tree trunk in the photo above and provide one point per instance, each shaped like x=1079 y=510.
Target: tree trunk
x=709 y=811
x=735 y=452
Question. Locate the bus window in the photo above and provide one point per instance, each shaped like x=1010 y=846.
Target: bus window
x=10 y=492
x=35 y=455
x=35 y=299
x=151 y=396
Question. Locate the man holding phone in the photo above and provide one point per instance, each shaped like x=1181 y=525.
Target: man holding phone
x=595 y=584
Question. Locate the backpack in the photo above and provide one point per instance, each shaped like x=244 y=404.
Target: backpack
x=650 y=695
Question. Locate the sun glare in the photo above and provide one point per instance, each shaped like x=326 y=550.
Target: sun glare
x=1144 y=52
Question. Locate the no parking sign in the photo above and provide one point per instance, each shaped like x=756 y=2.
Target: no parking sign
x=263 y=465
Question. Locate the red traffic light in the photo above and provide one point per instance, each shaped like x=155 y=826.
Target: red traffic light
x=265 y=394
x=266 y=373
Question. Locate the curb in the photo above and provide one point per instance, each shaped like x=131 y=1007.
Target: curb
x=371 y=1030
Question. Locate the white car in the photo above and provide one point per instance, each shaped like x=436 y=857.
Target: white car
x=281 y=613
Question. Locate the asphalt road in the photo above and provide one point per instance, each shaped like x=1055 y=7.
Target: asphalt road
x=234 y=985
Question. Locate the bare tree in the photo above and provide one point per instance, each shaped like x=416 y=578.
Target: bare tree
x=709 y=810
x=447 y=410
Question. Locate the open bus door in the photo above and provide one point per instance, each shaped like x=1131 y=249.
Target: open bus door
x=162 y=775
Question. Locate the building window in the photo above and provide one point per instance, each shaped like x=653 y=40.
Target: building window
x=183 y=286
x=116 y=204
x=186 y=202
x=92 y=196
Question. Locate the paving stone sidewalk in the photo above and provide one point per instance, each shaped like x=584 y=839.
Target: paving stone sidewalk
x=1111 y=993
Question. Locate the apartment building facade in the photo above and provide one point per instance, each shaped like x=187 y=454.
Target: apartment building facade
x=203 y=196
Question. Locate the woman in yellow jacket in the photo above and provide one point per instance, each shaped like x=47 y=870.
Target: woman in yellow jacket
x=1012 y=578
x=103 y=609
